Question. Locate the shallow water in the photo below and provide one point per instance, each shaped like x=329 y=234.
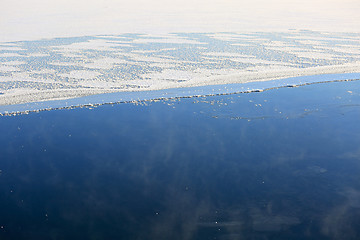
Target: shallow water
x=279 y=164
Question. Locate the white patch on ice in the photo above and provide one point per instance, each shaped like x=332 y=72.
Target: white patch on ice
x=120 y=42
x=38 y=55
x=242 y=44
x=44 y=71
x=153 y=51
x=227 y=54
x=19 y=76
x=111 y=36
x=231 y=37
x=144 y=58
x=311 y=42
x=172 y=75
x=315 y=55
x=82 y=74
x=269 y=69
x=95 y=44
x=260 y=61
x=12 y=63
x=104 y=63
x=100 y=84
x=341 y=49
x=10 y=48
x=277 y=44
x=5 y=68
x=167 y=39
x=164 y=65
x=65 y=64
x=10 y=55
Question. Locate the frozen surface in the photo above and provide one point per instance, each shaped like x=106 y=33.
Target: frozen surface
x=174 y=93
x=63 y=68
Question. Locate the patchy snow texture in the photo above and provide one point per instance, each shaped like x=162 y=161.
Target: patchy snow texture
x=79 y=66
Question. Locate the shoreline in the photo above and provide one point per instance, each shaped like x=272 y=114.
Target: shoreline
x=175 y=93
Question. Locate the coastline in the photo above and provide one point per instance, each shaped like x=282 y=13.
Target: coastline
x=262 y=84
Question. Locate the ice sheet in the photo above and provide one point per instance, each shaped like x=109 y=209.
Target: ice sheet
x=51 y=69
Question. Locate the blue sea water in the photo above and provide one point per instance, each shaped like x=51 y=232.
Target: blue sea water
x=278 y=164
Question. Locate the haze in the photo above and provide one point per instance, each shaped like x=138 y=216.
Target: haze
x=31 y=20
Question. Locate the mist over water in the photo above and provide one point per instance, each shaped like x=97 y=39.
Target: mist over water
x=242 y=166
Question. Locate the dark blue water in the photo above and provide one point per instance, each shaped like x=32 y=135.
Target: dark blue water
x=279 y=164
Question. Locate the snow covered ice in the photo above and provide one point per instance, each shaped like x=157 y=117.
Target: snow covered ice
x=62 y=68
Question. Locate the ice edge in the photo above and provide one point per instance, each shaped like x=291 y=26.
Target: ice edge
x=174 y=93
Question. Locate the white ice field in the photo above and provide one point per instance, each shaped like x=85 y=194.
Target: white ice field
x=61 y=68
